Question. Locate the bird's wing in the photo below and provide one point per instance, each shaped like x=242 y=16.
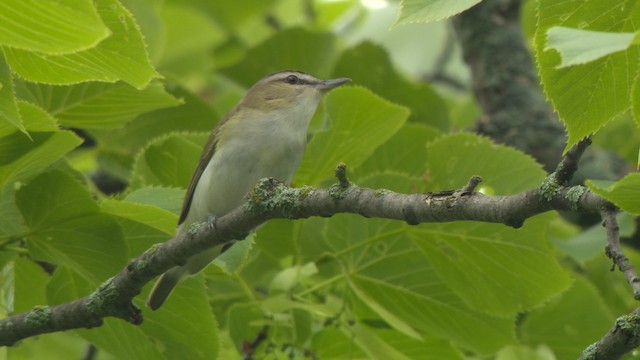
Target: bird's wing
x=207 y=154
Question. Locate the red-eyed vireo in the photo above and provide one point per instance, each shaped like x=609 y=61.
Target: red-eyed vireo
x=264 y=135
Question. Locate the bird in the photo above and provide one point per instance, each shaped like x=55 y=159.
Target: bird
x=263 y=136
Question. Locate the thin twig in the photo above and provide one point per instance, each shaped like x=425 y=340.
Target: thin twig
x=616 y=254
x=569 y=163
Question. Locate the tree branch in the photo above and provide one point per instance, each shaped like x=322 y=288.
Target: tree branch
x=271 y=199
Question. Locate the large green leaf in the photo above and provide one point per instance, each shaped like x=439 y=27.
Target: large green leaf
x=568 y=324
x=360 y=122
x=578 y=46
x=295 y=49
x=405 y=152
x=30 y=283
x=494 y=268
x=151 y=216
x=397 y=281
x=66 y=228
x=624 y=193
x=369 y=65
x=453 y=159
x=194 y=115
x=168 y=161
x=121 y=56
x=96 y=105
x=185 y=324
x=21 y=158
x=50 y=27
x=415 y=11
x=10 y=118
x=587 y=96
x=181 y=22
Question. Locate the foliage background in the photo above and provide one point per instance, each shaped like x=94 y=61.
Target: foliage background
x=105 y=106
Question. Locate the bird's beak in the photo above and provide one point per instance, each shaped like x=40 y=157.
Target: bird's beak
x=326 y=85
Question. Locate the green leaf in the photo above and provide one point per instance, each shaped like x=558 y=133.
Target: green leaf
x=423 y=11
x=360 y=122
x=169 y=199
x=66 y=228
x=36 y=119
x=121 y=56
x=181 y=21
x=481 y=334
x=505 y=170
x=481 y=261
x=21 y=158
x=168 y=161
x=50 y=27
x=405 y=152
x=578 y=46
x=147 y=215
x=194 y=115
x=30 y=284
x=96 y=105
x=10 y=118
x=494 y=268
x=363 y=61
x=185 y=324
x=624 y=193
x=296 y=49
x=525 y=353
x=587 y=96
x=372 y=345
x=568 y=324
x=392 y=277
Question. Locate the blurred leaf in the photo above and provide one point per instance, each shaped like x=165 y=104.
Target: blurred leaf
x=36 y=119
x=30 y=284
x=121 y=56
x=455 y=158
x=413 y=11
x=147 y=215
x=50 y=27
x=525 y=353
x=369 y=65
x=10 y=118
x=181 y=22
x=66 y=228
x=480 y=279
x=184 y=325
x=405 y=152
x=494 y=268
x=168 y=161
x=398 y=282
x=481 y=334
x=96 y=105
x=169 y=199
x=624 y=193
x=193 y=115
x=587 y=96
x=568 y=324
x=355 y=113
x=295 y=49
x=372 y=345
x=578 y=46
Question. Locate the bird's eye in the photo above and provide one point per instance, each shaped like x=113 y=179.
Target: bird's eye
x=292 y=79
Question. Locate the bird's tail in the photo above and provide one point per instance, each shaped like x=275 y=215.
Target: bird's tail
x=164 y=286
x=171 y=278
